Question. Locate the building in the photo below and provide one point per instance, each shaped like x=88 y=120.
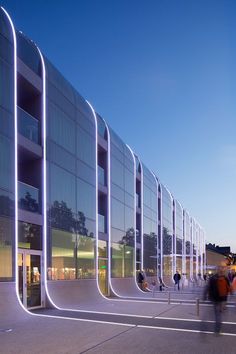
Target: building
x=79 y=211
x=217 y=256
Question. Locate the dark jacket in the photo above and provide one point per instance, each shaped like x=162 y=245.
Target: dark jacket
x=177 y=277
x=218 y=288
x=140 y=277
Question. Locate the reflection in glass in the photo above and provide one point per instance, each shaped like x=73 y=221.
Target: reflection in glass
x=20 y=276
x=101 y=176
x=85 y=257
x=33 y=280
x=28 y=198
x=102 y=276
x=28 y=126
x=6 y=232
x=29 y=236
x=101 y=223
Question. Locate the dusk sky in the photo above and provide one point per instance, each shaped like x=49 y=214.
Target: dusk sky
x=162 y=74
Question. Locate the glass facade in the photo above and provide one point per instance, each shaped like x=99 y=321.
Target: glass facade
x=140 y=206
x=167 y=234
x=7 y=224
x=150 y=228
x=122 y=209
x=71 y=181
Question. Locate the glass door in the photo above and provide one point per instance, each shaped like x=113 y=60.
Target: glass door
x=29 y=274
x=103 y=276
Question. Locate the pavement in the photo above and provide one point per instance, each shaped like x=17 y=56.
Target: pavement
x=121 y=326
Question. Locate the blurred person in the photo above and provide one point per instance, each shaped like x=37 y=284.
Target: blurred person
x=177 y=278
x=217 y=289
x=140 y=279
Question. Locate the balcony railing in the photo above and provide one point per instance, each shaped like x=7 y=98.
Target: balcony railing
x=101 y=223
x=101 y=176
x=28 y=126
x=28 y=198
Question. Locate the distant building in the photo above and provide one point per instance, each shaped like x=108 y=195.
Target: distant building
x=217 y=256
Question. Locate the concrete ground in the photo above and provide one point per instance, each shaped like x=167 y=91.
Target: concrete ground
x=141 y=328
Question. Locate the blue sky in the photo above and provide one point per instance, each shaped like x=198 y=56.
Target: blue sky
x=162 y=73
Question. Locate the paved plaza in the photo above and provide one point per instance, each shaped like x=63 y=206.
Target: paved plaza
x=121 y=326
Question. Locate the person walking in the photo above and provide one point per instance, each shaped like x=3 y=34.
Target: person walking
x=177 y=278
x=218 y=289
x=140 y=279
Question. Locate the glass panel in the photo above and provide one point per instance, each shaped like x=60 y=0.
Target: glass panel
x=20 y=275
x=102 y=276
x=102 y=249
x=29 y=236
x=101 y=176
x=6 y=234
x=85 y=256
x=101 y=127
x=28 y=197
x=33 y=280
x=122 y=260
x=28 y=126
x=6 y=163
x=28 y=53
x=63 y=189
x=101 y=223
x=63 y=255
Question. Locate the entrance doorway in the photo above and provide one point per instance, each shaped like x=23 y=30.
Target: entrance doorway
x=29 y=276
x=103 y=276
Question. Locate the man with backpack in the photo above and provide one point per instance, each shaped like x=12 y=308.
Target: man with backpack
x=218 y=289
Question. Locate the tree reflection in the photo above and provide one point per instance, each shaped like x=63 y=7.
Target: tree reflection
x=6 y=206
x=128 y=238
x=28 y=203
x=62 y=217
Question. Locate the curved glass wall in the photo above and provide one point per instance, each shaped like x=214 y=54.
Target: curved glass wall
x=122 y=209
x=28 y=53
x=150 y=228
x=187 y=242
x=178 y=237
x=7 y=224
x=71 y=181
x=167 y=235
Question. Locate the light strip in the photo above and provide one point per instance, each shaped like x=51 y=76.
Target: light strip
x=178 y=204
x=96 y=185
x=44 y=136
x=141 y=214
x=109 y=210
x=109 y=204
x=157 y=185
x=16 y=155
x=135 y=241
x=161 y=234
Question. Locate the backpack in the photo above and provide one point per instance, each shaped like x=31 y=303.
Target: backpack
x=213 y=290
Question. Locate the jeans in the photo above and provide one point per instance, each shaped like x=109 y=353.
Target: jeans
x=218 y=312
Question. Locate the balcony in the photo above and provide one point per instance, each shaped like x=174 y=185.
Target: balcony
x=28 y=198
x=101 y=223
x=28 y=126
x=101 y=176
